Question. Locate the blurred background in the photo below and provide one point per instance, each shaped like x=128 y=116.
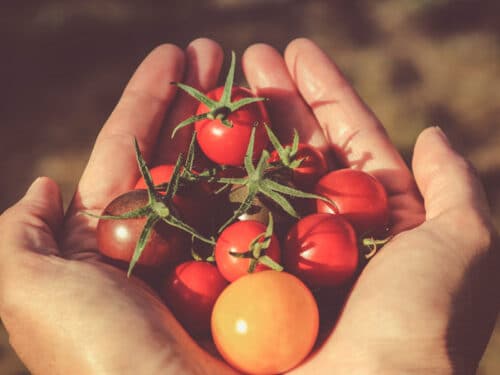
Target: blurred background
x=415 y=62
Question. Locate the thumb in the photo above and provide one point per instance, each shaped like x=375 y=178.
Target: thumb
x=34 y=222
x=446 y=180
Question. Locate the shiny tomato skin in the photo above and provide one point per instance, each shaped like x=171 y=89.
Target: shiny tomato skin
x=358 y=196
x=117 y=238
x=321 y=250
x=228 y=145
x=237 y=238
x=312 y=167
x=265 y=322
x=190 y=291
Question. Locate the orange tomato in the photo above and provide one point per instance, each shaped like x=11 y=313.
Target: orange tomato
x=265 y=322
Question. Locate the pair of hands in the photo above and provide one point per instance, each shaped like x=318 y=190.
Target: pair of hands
x=425 y=304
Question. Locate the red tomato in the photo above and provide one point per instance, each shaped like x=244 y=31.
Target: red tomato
x=160 y=174
x=191 y=291
x=358 y=196
x=265 y=322
x=312 y=167
x=237 y=238
x=117 y=238
x=321 y=249
x=228 y=145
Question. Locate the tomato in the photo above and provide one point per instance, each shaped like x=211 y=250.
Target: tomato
x=237 y=238
x=358 y=196
x=190 y=291
x=321 y=249
x=265 y=322
x=312 y=167
x=117 y=238
x=227 y=145
x=160 y=174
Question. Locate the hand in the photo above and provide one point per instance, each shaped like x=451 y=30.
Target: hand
x=65 y=310
x=426 y=304
x=416 y=319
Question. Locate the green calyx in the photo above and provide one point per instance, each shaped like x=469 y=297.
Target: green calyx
x=259 y=181
x=220 y=109
x=257 y=250
x=159 y=207
x=287 y=153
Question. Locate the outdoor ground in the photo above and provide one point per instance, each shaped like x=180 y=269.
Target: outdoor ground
x=415 y=62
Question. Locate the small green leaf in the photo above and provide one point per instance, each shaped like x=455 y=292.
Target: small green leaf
x=244 y=207
x=174 y=180
x=175 y=222
x=269 y=262
x=276 y=143
x=188 y=121
x=143 y=168
x=139 y=212
x=228 y=85
x=273 y=185
x=190 y=154
x=198 y=95
x=248 y=161
x=262 y=164
x=243 y=102
x=142 y=242
x=252 y=265
x=295 y=144
x=280 y=200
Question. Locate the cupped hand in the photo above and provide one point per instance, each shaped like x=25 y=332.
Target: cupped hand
x=427 y=302
x=424 y=304
x=66 y=311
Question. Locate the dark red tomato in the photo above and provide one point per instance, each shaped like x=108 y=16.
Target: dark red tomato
x=190 y=291
x=321 y=250
x=237 y=238
x=228 y=145
x=117 y=238
x=312 y=167
x=358 y=196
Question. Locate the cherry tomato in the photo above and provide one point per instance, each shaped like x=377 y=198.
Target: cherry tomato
x=312 y=167
x=321 y=249
x=358 y=196
x=237 y=238
x=160 y=174
x=190 y=291
x=265 y=322
x=117 y=238
x=227 y=145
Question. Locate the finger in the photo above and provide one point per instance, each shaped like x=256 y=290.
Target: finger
x=268 y=76
x=446 y=180
x=34 y=222
x=112 y=168
x=348 y=124
x=203 y=64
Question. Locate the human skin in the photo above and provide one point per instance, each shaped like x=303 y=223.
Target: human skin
x=425 y=304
